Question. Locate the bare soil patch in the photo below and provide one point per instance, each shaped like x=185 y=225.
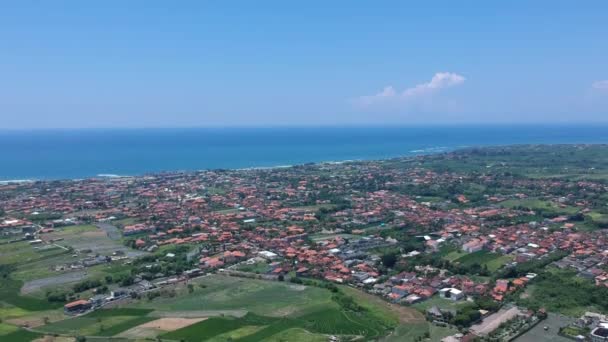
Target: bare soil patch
x=159 y=326
x=172 y=323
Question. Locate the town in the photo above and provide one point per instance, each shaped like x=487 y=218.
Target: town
x=488 y=244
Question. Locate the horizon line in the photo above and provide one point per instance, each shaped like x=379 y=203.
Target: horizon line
x=320 y=126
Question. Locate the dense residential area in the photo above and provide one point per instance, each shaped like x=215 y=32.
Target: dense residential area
x=478 y=244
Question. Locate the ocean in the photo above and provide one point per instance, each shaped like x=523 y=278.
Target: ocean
x=69 y=154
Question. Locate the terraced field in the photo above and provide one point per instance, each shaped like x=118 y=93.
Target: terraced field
x=280 y=311
x=262 y=328
x=221 y=308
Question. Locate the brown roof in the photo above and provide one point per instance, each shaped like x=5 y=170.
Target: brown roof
x=76 y=303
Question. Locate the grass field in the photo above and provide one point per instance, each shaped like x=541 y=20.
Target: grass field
x=125 y=222
x=493 y=261
x=413 y=332
x=453 y=255
x=108 y=322
x=258 y=267
x=297 y=334
x=276 y=311
x=540 y=205
x=71 y=230
x=539 y=161
x=19 y=253
x=599 y=219
x=282 y=311
x=9 y=293
x=237 y=333
x=20 y=336
x=261 y=328
x=7 y=329
x=230 y=293
x=216 y=326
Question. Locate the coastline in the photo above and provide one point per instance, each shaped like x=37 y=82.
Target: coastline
x=111 y=176
x=78 y=154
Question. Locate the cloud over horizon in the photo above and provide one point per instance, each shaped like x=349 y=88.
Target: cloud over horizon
x=439 y=81
x=600 y=85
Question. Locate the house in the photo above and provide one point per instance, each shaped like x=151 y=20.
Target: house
x=502 y=286
x=474 y=245
x=401 y=290
x=451 y=293
x=395 y=296
x=599 y=334
x=302 y=271
x=267 y=255
x=411 y=299
x=77 y=306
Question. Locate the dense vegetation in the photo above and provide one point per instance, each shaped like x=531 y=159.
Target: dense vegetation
x=562 y=291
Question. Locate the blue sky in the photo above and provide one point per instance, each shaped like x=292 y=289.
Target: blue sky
x=272 y=63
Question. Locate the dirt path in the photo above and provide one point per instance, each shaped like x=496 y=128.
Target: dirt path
x=199 y=313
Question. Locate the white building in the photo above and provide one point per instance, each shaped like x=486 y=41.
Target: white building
x=451 y=293
x=267 y=255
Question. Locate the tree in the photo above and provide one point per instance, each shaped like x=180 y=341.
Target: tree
x=190 y=288
x=389 y=259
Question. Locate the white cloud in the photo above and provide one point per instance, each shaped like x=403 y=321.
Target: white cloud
x=440 y=80
x=386 y=93
x=601 y=85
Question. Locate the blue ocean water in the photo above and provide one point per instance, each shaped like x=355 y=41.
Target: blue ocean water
x=60 y=154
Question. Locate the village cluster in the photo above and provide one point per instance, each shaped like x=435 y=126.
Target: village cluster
x=383 y=227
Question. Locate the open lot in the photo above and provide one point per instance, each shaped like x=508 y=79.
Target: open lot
x=492 y=322
x=30 y=272
x=553 y=323
x=60 y=279
x=90 y=237
x=493 y=261
x=539 y=205
x=441 y=303
x=34 y=265
x=112 y=231
x=412 y=332
x=389 y=312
